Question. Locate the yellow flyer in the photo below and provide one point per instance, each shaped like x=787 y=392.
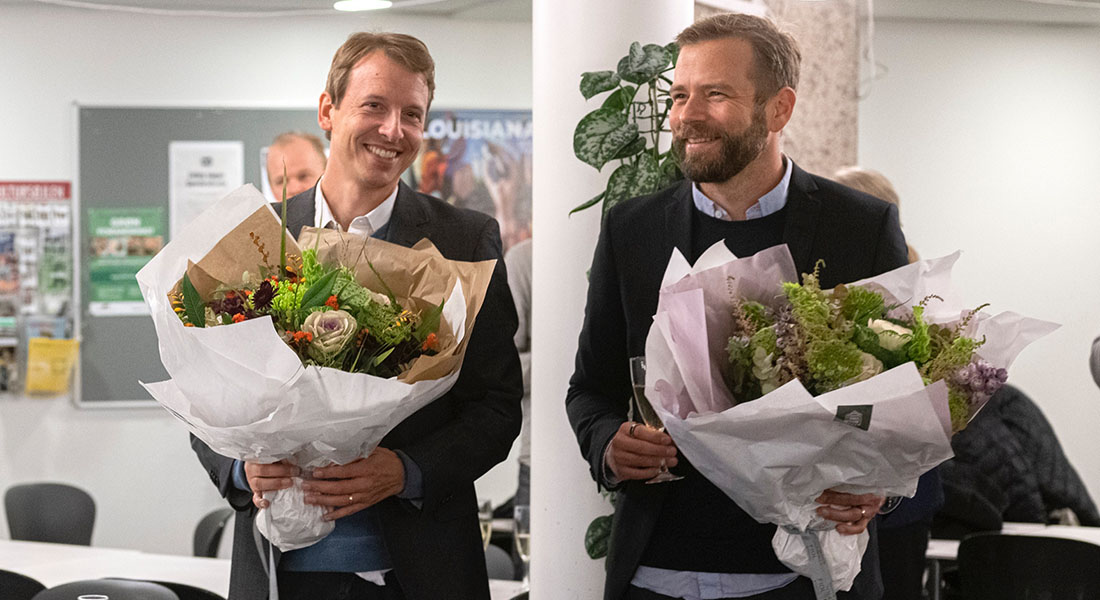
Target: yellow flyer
x=50 y=364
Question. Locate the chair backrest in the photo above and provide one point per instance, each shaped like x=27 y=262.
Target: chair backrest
x=50 y=512
x=181 y=590
x=16 y=586
x=1020 y=567
x=498 y=563
x=115 y=589
x=208 y=533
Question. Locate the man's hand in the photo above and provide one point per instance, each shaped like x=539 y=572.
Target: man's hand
x=851 y=512
x=352 y=487
x=267 y=478
x=636 y=452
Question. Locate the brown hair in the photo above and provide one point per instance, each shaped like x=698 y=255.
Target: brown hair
x=405 y=50
x=290 y=136
x=776 y=57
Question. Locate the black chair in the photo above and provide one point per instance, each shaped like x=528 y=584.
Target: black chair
x=16 y=586
x=994 y=566
x=181 y=590
x=498 y=563
x=208 y=533
x=50 y=512
x=115 y=589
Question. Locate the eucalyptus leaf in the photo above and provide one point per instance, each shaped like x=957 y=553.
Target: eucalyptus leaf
x=193 y=306
x=632 y=180
x=589 y=203
x=601 y=134
x=643 y=63
x=635 y=147
x=594 y=82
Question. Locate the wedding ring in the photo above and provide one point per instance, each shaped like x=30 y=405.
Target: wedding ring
x=351 y=499
x=630 y=431
x=862 y=512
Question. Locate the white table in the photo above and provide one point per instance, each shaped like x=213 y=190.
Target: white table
x=940 y=550
x=54 y=564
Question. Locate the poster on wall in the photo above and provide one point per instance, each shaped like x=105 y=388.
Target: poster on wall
x=200 y=174
x=122 y=241
x=480 y=159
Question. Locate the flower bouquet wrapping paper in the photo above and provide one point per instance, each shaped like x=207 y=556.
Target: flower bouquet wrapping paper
x=247 y=394
x=774 y=455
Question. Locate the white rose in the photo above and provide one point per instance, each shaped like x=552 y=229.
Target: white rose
x=890 y=335
x=382 y=299
x=331 y=330
x=871 y=366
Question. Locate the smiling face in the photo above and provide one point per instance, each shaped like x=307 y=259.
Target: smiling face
x=718 y=127
x=378 y=126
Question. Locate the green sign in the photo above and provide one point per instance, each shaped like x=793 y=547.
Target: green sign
x=122 y=240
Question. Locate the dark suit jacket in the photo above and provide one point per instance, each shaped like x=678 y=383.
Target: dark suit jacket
x=857 y=235
x=436 y=550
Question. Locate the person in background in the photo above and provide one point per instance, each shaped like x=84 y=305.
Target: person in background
x=406 y=517
x=732 y=95
x=518 y=260
x=905 y=527
x=304 y=157
x=1094 y=361
x=876 y=184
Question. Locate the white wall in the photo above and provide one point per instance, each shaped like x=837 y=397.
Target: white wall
x=991 y=134
x=149 y=488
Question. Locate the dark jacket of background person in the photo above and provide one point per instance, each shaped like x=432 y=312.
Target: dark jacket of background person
x=1008 y=466
x=436 y=549
x=856 y=235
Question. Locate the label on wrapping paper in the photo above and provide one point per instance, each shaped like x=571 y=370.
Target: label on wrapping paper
x=818 y=567
x=858 y=415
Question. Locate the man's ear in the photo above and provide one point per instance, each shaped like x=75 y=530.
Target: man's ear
x=779 y=109
x=324 y=112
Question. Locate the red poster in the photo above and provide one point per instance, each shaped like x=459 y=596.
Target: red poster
x=30 y=191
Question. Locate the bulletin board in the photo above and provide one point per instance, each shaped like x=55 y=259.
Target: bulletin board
x=124 y=177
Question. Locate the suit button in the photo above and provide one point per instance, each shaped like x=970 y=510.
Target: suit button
x=214 y=477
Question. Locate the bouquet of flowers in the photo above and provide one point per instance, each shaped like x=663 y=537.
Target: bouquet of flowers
x=794 y=389
x=313 y=359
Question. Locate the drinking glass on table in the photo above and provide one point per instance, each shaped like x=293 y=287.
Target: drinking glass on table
x=485 y=518
x=522 y=532
x=649 y=416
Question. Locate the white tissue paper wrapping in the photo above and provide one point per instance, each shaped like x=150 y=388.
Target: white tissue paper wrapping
x=247 y=395
x=773 y=456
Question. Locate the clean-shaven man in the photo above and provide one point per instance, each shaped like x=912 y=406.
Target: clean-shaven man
x=406 y=515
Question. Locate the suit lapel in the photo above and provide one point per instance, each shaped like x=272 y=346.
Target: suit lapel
x=409 y=219
x=803 y=210
x=300 y=211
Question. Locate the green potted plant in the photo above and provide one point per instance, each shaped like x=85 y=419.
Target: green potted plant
x=627 y=126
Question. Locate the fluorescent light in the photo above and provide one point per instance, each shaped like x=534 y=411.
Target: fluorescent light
x=357 y=5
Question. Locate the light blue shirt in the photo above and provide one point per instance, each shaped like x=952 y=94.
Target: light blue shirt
x=695 y=585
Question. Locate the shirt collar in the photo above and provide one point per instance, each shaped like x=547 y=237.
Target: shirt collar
x=363 y=224
x=770 y=203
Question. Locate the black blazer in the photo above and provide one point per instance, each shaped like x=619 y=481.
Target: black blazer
x=857 y=235
x=436 y=550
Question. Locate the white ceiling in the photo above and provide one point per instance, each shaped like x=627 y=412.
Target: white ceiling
x=1069 y=12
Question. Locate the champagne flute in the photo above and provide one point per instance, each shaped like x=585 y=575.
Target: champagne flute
x=522 y=532
x=649 y=416
x=485 y=518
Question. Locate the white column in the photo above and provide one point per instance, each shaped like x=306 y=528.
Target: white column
x=570 y=37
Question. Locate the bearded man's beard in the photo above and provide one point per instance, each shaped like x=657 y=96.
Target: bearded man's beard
x=734 y=152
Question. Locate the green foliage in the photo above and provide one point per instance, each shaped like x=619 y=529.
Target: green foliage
x=318 y=291
x=757 y=314
x=832 y=362
x=867 y=340
x=193 y=306
x=861 y=305
x=629 y=124
x=429 y=322
x=919 y=349
x=311 y=269
x=597 y=537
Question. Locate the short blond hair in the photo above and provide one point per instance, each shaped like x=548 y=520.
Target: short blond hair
x=289 y=136
x=776 y=57
x=405 y=50
x=868 y=181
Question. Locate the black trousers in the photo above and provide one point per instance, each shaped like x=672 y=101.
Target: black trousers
x=799 y=589
x=901 y=559
x=308 y=585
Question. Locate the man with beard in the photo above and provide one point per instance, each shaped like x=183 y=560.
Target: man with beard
x=733 y=92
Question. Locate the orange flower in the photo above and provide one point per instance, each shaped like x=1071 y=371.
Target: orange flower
x=332 y=303
x=237 y=318
x=430 y=343
x=188 y=324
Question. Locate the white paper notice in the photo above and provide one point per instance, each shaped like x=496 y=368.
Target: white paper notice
x=200 y=174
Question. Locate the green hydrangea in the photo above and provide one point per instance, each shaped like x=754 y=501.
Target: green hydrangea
x=832 y=362
x=861 y=305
